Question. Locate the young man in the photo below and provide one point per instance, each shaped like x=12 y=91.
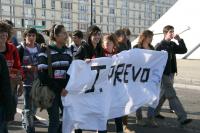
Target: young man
x=167 y=89
x=77 y=37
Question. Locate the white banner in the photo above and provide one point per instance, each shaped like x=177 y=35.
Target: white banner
x=110 y=87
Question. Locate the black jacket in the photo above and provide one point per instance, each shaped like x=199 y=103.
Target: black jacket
x=6 y=97
x=87 y=51
x=172 y=48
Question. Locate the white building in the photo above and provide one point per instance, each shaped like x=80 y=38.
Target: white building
x=110 y=15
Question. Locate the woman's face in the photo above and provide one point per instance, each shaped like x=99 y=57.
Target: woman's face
x=95 y=38
x=62 y=37
x=148 y=39
x=3 y=37
x=108 y=45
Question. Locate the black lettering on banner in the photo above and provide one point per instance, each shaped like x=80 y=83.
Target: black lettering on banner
x=135 y=75
x=112 y=72
x=145 y=75
x=117 y=73
x=98 y=68
x=126 y=73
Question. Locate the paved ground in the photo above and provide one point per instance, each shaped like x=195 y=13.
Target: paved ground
x=188 y=89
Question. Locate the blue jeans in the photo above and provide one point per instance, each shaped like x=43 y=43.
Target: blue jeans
x=3 y=123
x=168 y=92
x=28 y=112
x=54 y=115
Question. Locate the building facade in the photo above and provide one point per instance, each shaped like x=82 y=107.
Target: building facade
x=109 y=15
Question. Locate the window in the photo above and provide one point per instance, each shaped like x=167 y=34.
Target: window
x=66 y=15
x=43 y=12
x=82 y=26
x=101 y=2
x=101 y=19
x=111 y=11
x=53 y=4
x=111 y=3
x=101 y=9
x=125 y=4
x=43 y=23
x=82 y=17
x=66 y=5
x=5 y=10
x=29 y=12
x=28 y=1
x=83 y=8
x=124 y=12
x=43 y=3
x=111 y=19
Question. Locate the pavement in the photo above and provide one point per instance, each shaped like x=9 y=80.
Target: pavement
x=187 y=83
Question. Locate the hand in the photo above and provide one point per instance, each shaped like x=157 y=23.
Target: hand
x=177 y=37
x=87 y=60
x=20 y=89
x=32 y=68
x=64 y=92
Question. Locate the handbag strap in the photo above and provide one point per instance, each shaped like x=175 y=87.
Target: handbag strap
x=49 y=62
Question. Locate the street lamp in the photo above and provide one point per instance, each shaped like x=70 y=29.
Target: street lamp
x=91 y=12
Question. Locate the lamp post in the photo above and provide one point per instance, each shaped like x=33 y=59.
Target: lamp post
x=91 y=12
x=0 y=11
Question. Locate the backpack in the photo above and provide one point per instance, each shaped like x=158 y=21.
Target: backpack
x=41 y=95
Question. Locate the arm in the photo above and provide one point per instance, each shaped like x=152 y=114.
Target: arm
x=181 y=48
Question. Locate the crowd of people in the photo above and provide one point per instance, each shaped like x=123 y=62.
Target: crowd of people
x=22 y=63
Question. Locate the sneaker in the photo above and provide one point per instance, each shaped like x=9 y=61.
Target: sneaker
x=152 y=123
x=159 y=116
x=35 y=119
x=172 y=111
x=186 y=121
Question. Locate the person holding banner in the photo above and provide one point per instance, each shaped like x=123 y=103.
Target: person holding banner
x=144 y=42
x=122 y=40
x=90 y=50
x=110 y=48
x=167 y=89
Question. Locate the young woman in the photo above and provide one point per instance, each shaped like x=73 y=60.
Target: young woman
x=90 y=50
x=61 y=59
x=144 y=42
x=110 y=48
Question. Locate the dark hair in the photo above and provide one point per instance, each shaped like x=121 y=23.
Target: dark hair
x=30 y=30
x=92 y=30
x=55 y=30
x=143 y=36
x=167 y=28
x=9 y=22
x=78 y=34
x=127 y=31
x=120 y=32
x=5 y=27
x=40 y=39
